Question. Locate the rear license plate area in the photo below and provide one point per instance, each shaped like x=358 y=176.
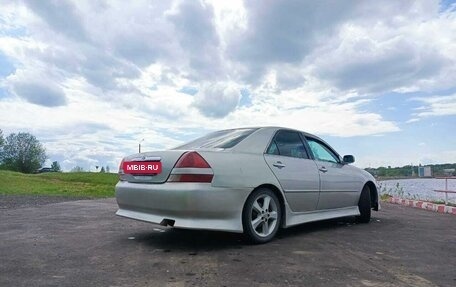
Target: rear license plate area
x=142 y=167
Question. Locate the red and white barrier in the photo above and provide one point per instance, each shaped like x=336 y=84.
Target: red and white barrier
x=442 y=208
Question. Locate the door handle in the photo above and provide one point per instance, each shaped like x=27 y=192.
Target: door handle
x=278 y=164
x=323 y=169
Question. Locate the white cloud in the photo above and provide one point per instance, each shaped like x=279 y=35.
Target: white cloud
x=411 y=50
x=412 y=120
x=217 y=100
x=93 y=77
x=436 y=106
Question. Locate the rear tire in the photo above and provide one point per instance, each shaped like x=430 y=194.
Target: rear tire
x=261 y=216
x=364 y=206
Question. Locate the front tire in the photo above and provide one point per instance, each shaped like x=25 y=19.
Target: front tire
x=364 y=206
x=261 y=216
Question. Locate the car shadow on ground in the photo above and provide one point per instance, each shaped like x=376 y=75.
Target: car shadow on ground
x=194 y=241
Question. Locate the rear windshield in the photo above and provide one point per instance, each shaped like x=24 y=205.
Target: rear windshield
x=219 y=139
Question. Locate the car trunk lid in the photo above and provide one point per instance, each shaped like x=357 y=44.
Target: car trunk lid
x=167 y=159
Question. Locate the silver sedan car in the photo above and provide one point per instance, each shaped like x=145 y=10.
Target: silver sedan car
x=250 y=180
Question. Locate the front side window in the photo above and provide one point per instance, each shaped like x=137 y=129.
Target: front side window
x=287 y=143
x=321 y=151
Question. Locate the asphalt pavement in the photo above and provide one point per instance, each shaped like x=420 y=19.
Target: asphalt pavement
x=82 y=243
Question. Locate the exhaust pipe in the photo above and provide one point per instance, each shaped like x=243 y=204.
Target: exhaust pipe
x=167 y=222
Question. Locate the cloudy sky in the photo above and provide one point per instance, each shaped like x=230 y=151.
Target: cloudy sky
x=91 y=79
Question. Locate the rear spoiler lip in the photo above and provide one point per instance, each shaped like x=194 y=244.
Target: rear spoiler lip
x=146 y=158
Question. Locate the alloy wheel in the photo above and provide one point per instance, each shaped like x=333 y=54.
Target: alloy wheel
x=264 y=215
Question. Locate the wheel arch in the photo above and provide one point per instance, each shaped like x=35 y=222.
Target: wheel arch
x=279 y=195
x=373 y=194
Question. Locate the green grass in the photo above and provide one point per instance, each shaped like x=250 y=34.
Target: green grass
x=81 y=184
x=385 y=196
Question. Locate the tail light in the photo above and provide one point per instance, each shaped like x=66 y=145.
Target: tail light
x=121 y=172
x=192 y=159
x=191 y=167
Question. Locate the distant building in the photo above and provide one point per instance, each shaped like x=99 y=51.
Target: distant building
x=424 y=171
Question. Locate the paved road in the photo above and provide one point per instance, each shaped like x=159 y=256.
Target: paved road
x=82 y=243
x=19 y=201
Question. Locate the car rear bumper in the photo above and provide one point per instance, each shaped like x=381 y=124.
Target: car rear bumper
x=183 y=205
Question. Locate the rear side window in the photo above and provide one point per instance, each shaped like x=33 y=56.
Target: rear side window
x=287 y=143
x=219 y=139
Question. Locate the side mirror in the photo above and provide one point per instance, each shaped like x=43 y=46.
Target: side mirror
x=349 y=159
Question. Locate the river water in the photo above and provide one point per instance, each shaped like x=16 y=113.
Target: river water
x=418 y=188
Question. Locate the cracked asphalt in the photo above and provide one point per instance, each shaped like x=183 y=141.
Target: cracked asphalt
x=82 y=243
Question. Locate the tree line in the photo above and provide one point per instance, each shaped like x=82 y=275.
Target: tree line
x=80 y=169
x=410 y=171
x=24 y=153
